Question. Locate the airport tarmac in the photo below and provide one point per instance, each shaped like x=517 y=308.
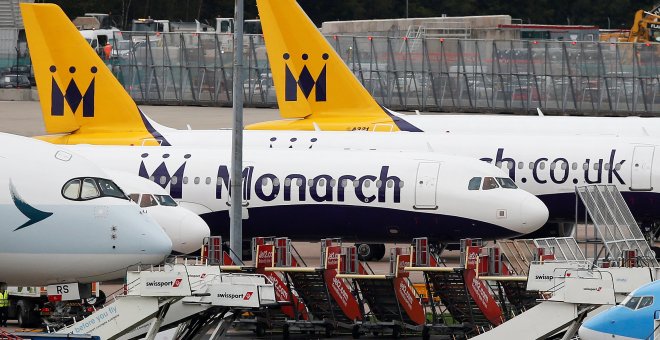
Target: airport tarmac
x=24 y=117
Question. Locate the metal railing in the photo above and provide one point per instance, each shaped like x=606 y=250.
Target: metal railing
x=407 y=73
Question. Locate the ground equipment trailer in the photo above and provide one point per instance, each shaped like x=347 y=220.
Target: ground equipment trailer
x=329 y=299
x=392 y=304
x=155 y=293
x=468 y=299
x=264 y=255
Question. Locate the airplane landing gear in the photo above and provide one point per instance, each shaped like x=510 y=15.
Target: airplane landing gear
x=370 y=251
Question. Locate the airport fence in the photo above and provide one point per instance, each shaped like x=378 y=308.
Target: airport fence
x=13 y=49
x=427 y=74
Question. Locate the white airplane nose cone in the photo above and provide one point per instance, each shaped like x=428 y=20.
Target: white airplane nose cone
x=535 y=214
x=157 y=245
x=193 y=232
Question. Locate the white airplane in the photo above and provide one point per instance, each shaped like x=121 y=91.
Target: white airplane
x=65 y=221
x=545 y=165
x=358 y=195
x=186 y=229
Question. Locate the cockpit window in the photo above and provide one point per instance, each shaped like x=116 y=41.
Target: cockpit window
x=475 y=183
x=166 y=200
x=489 y=183
x=147 y=201
x=632 y=302
x=645 y=302
x=71 y=189
x=506 y=183
x=89 y=190
x=110 y=189
x=637 y=302
x=134 y=197
x=82 y=189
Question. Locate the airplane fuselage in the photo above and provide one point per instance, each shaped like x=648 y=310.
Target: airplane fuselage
x=53 y=233
x=358 y=195
x=548 y=166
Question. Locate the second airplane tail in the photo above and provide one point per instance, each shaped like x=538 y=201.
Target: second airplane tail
x=78 y=92
x=311 y=79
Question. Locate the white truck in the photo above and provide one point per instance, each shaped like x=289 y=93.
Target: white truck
x=53 y=305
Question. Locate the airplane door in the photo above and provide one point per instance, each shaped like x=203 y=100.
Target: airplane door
x=640 y=173
x=426 y=185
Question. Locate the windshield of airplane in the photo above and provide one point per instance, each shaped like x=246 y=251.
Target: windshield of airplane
x=506 y=183
x=83 y=189
x=166 y=200
x=637 y=302
x=474 y=183
x=147 y=201
x=110 y=189
x=489 y=183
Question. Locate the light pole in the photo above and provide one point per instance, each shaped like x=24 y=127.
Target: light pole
x=18 y=55
x=236 y=213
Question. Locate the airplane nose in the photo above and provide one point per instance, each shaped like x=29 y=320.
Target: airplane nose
x=193 y=232
x=156 y=244
x=535 y=214
x=587 y=333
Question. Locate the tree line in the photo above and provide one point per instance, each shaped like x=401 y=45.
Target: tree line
x=611 y=13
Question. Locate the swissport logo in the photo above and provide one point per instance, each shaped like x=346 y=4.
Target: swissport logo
x=164 y=284
x=232 y=296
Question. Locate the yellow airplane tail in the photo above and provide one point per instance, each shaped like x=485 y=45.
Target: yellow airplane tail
x=311 y=79
x=80 y=97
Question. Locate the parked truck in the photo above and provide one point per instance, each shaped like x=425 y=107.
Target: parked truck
x=54 y=305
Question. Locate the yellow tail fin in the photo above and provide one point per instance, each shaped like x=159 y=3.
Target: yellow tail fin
x=78 y=93
x=311 y=79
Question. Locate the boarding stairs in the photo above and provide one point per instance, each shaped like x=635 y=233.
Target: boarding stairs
x=185 y=314
x=571 y=291
x=570 y=287
x=290 y=306
x=163 y=295
x=450 y=286
x=329 y=299
x=468 y=299
x=615 y=225
x=393 y=304
x=517 y=255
